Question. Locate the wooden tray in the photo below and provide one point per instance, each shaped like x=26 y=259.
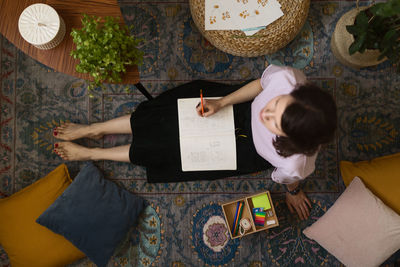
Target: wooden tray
x=229 y=209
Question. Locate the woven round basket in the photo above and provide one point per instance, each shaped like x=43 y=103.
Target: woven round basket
x=267 y=41
x=342 y=39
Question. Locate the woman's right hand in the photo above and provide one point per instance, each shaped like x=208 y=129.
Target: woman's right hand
x=211 y=106
x=299 y=203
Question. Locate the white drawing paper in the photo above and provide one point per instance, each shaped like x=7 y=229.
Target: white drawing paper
x=206 y=143
x=240 y=14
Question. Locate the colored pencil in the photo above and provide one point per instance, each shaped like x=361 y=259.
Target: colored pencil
x=201 y=100
x=234 y=218
x=236 y=223
x=239 y=217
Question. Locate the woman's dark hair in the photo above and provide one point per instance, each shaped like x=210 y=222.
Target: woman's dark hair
x=308 y=122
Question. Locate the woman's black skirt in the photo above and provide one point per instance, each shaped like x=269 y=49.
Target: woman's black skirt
x=155 y=142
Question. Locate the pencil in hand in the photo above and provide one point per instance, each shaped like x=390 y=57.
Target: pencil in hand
x=201 y=101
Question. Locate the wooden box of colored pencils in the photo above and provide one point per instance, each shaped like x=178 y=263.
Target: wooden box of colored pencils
x=241 y=208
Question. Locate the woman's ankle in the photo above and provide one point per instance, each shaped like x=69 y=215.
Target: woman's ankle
x=96 y=129
x=95 y=153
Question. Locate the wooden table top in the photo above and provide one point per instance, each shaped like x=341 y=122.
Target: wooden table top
x=71 y=11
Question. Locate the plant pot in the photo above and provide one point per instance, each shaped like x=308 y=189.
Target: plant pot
x=342 y=39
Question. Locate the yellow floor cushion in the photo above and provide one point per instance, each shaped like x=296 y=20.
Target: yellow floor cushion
x=381 y=175
x=26 y=242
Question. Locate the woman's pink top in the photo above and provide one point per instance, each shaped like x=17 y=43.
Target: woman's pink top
x=277 y=81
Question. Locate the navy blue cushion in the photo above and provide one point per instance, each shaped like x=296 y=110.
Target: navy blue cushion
x=94 y=214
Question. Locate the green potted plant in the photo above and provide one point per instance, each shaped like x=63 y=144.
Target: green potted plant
x=104 y=49
x=366 y=36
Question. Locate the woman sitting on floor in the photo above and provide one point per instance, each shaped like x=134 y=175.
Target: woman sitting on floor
x=284 y=118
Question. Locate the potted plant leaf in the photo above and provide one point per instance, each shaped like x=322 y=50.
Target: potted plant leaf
x=104 y=49
x=366 y=36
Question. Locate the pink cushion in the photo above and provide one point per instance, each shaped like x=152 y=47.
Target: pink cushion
x=359 y=229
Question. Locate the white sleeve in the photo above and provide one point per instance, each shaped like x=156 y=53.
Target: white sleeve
x=282 y=78
x=281 y=177
x=295 y=170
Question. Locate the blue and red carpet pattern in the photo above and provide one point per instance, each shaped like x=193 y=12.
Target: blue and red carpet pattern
x=183 y=226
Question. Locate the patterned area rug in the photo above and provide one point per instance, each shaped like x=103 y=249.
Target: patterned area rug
x=182 y=227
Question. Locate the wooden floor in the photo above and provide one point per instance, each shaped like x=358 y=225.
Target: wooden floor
x=71 y=11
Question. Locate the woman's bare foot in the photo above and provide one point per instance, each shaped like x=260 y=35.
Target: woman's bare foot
x=71 y=131
x=72 y=152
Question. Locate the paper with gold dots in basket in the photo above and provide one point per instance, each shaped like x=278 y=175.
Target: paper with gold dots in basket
x=240 y=14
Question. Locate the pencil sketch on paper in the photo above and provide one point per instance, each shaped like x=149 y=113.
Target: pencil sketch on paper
x=206 y=143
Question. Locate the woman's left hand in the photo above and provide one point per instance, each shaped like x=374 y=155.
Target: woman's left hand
x=299 y=203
